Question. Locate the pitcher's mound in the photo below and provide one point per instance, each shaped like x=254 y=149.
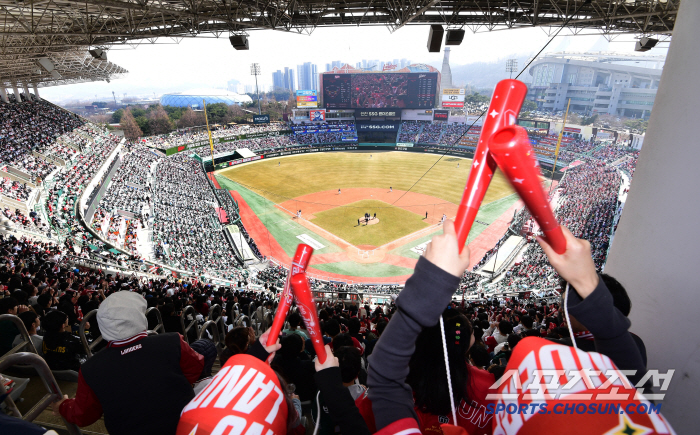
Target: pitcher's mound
x=371 y=221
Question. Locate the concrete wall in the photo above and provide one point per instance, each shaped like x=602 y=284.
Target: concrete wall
x=656 y=253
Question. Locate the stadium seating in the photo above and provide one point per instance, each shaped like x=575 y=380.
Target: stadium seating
x=168 y=197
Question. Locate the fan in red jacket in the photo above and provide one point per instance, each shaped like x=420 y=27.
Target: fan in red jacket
x=139 y=382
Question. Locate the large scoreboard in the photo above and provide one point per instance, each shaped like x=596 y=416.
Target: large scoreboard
x=380 y=90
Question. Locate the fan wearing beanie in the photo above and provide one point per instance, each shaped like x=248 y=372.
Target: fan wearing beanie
x=139 y=382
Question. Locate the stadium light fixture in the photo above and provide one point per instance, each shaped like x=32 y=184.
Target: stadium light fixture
x=255 y=71
x=511 y=66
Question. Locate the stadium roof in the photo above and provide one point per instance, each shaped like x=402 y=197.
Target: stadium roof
x=63 y=29
x=66 y=67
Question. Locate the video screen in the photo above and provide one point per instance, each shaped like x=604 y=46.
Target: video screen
x=377 y=91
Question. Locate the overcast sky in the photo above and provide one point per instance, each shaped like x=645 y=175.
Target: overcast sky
x=210 y=62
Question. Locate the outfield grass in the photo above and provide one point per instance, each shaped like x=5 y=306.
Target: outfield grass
x=394 y=222
x=309 y=173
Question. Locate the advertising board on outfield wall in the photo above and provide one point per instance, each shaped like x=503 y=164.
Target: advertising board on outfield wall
x=263 y=134
x=453 y=98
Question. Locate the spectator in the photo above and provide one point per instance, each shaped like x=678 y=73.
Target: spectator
x=294 y=320
x=289 y=363
x=237 y=341
x=8 y=330
x=62 y=350
x=350 y=364
x=31 y=323
x=469 y=384
x=161 y=367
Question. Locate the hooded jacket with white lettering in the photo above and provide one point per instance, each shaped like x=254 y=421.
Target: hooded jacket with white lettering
x=140 y=384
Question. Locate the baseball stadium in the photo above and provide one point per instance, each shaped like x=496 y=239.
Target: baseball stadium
x=405 y=214
x=380 y=249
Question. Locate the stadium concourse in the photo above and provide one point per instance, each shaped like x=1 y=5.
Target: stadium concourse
x=88 y=215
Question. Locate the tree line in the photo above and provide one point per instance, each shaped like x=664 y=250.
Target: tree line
x=142 y=121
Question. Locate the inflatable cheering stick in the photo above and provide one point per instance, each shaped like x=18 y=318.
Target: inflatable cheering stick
x=307 y=309
x=299 y=265
x=503 y=110
x=510 y=148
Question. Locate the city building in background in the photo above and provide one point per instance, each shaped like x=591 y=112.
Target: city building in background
x=284 y=80
x=605 y=83
x=307 y=76
x=194 y=97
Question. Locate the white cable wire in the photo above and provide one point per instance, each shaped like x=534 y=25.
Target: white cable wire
x=566 y=314
x=318 y=412
x=447 y=367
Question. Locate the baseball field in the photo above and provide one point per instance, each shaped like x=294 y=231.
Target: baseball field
x=408 y=192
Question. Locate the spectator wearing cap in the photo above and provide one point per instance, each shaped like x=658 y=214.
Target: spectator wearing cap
x=139 y=382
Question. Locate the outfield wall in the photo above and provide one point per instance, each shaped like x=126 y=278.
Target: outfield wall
x=229 y=161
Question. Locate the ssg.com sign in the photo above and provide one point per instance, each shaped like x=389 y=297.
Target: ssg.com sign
x=378 y=127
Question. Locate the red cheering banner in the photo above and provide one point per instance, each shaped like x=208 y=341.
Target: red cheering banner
x=299 y=264
x=307 y=309
x=503 y=111
x=510 y=148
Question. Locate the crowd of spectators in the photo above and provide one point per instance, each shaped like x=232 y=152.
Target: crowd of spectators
x=193 y=136
x=431 y=133
x=381 y=386
x=69 y=183
x=610 y=153
x=130 y=189
x=186 y=232
x=453 y=133
x=14 y=189
x=32 y=126
x=43 y=288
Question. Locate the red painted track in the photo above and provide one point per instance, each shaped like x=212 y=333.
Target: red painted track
x=213 y=180
x=267 y=244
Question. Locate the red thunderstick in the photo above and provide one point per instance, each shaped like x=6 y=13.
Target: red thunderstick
x=510 y=148
x=505 y=106
x=299 y=264
x=307 y=309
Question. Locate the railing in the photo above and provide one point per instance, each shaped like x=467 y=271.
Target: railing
x=26 y=339
x=53 y=390
x=83 y=337
x=159 y=329
x=189 y=311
